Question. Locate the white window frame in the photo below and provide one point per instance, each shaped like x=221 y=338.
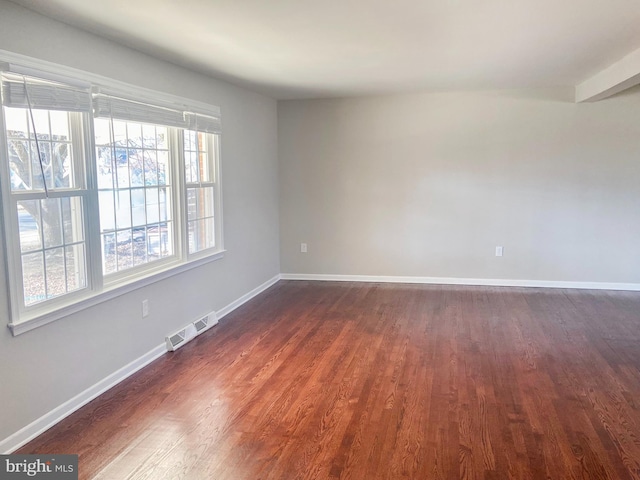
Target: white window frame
x=213 y=158
x=10 y=200
x=102 y=287
x=132 y=273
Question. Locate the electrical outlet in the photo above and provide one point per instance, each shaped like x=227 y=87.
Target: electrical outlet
x=499 y=251
x=145 y=308
x=303 y=247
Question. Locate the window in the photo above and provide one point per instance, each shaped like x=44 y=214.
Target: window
x=100 y=190
x=50 y=223
x=199 y=151
x=134 y=194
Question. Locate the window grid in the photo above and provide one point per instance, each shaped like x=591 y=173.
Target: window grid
x=52 y=129
x=57 y=235
x=50 y=240
x=136 y=226
x=53 y=263
x=199 y=150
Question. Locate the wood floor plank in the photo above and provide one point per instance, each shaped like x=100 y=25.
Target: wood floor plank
x=315 y=380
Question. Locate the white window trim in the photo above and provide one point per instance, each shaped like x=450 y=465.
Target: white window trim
x=24 y=320
x=109 y=294
x=213 y=149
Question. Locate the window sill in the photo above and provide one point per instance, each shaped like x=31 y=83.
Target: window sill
x=39 y=320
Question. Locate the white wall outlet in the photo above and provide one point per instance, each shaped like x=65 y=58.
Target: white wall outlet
x=499 y=251
x=303 y=247
x=145 y=308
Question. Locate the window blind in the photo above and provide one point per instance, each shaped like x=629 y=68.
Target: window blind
x=111 y=106
x=43 y=94
x=203 y=123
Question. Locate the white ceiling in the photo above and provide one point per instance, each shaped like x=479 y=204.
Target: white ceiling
x=322 y=48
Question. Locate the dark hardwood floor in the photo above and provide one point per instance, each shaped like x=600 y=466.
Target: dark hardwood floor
x=376 y=381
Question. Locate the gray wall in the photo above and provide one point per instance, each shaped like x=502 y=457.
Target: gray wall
x=43 y=368
x=415 y=185
x=429 y=184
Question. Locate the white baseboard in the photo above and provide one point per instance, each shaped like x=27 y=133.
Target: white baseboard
x=35 y=428
x=634 y=287
x=248 y=296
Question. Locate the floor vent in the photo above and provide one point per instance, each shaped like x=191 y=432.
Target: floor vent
x=191 y=331
x=175 y=339
x=201 y=324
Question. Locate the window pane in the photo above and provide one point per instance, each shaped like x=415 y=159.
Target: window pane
x=200 y=202
x=122 y=167
x=33 y=278
x=45 y=154
x=205 y=202
x=192 y=204
x=190 y=167
x=20 y=164
x=203 y=163
x=149 y=136
x=137 y=207
x=161 y=137
x=164 y=205
x=208 y=233
x=51 y=213
x=150 y=168
x=136 y=166
x=124 y=249
x=75 y=266
x=28 y=223
x=107 y=211
x=56 y=275
x=163 y=168
x=72 y=221
x=16 y=122
x=105 y=167
x=41 y=120
x=61 y=165
x=153 y=209
x=59 y=126
x=102 y=131
x=139 y=246
x=120 y=132
x=37 y=169
x=123 y=209
x=189 y=140
x=192 y=233
x=134 y=135
x=166 y=239
x=109 y=253
x=153 y=242
x=201 y=235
